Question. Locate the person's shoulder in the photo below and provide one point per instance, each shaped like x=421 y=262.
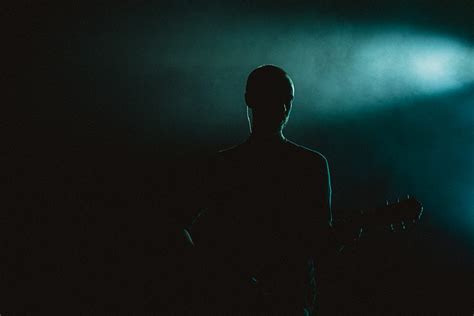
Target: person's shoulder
x=307 y=153
x=234 y=150
x=229 y=150
x=225 y=153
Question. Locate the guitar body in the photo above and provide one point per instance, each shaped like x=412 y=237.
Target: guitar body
x=248 y=267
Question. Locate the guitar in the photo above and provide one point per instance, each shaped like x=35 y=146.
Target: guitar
x=393 y=215
x=399 y=213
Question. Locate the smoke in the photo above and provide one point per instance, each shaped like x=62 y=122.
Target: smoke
x=338 y=68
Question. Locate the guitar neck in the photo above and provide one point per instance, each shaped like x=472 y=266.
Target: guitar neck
x=406 y=210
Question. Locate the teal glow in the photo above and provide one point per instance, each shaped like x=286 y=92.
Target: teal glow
x=338 y=69
x=383 y=67
x=443 y=65
x=434 y=68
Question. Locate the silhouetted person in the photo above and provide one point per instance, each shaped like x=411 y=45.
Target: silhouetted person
x=265 y=212
x=266 y=209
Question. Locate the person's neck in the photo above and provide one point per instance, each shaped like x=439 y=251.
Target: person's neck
x=259 y=136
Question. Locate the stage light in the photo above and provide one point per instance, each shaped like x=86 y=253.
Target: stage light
x=375 y=67
x=432 y=67
x=441 y=68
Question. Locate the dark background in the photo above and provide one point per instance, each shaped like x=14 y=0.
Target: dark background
x=110 y=100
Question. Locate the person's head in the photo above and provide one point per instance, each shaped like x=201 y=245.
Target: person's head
x=269 y=94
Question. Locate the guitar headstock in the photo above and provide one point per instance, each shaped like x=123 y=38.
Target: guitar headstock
x=403 y=211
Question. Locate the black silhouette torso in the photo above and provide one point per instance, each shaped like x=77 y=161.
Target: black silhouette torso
x=265 y=217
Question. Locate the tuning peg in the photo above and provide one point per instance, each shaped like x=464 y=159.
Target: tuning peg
x=421 y=212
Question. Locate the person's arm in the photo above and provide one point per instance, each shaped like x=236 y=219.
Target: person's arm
x=340 y=233
x=201 y=200
x=319 y=222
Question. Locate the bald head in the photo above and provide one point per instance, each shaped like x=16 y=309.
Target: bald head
x=268 y=86
x=269 y=93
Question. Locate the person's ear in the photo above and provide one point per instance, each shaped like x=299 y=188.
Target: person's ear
x=288 y=104
x=248 y=100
